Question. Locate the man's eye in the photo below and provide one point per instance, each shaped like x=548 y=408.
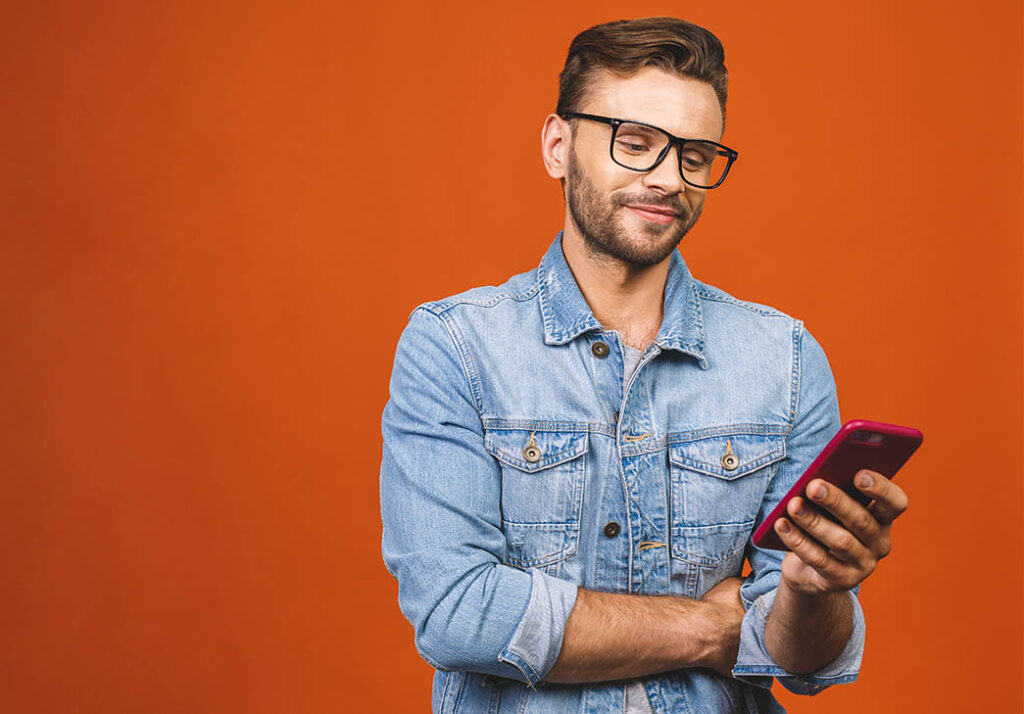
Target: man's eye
x=632 y=146
x=694 y=161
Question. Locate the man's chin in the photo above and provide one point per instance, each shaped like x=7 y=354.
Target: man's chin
x=644 y=253
x=654 y=245
x=635 y=243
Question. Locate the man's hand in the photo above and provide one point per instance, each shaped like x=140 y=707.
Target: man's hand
x=828 y=557
x=725 y=613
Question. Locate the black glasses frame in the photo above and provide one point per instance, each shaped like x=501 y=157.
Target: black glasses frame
x=730 y=154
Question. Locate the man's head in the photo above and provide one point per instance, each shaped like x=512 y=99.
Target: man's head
x=660 y=71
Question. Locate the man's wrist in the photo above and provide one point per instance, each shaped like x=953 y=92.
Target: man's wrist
x=822 y=619
x=805 y=598
x=709 y=636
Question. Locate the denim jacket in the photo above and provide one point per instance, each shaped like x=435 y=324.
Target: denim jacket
x=517 y=467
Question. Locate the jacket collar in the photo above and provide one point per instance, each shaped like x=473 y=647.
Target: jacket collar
x=567 y=315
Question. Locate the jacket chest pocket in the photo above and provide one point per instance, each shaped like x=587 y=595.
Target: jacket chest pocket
x=717 y=486
x=542 y=478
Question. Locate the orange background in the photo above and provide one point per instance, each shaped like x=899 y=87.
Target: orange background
x=216 y=218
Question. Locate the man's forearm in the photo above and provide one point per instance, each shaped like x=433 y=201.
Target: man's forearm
x=617 y=636
x=803 y=633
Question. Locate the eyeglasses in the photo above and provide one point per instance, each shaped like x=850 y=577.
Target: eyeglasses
x=641 y=147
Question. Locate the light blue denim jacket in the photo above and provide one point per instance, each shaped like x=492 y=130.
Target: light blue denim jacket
x=510 y=443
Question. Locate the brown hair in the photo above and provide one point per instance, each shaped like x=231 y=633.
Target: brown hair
x=626 y=46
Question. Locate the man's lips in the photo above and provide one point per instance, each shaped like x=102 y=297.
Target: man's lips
x=652 y=209
x=656 y=214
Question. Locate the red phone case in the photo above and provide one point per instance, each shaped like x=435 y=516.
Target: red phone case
x=859 y=444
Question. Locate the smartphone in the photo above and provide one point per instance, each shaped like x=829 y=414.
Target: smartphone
x=859 y=444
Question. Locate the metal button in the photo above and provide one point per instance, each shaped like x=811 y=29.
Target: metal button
x=532 y=454
x=612 y=529
x=729 y=460
x=600 y=349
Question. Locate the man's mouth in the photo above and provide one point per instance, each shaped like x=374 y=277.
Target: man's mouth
x=655 y=214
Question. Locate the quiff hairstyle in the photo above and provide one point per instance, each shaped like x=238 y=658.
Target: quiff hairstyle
x=624 y=47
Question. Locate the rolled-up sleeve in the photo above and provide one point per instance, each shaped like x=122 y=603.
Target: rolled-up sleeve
x=816 y=422
x=440 y=497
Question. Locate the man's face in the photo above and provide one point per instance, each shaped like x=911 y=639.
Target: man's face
x=606 y=201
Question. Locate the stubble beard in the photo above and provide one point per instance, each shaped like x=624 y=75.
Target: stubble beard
x=606 y=237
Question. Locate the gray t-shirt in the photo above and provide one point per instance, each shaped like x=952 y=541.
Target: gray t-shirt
x=630 y=359
x=636 y=697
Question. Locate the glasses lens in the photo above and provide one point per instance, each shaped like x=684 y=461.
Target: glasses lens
x=703 y=163
x=637 y=146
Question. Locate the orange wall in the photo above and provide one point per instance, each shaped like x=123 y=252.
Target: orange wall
x=215 y=219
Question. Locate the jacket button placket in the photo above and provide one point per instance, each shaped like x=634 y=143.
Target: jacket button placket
x=649 y=542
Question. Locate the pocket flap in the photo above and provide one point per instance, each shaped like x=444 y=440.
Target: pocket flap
x=550 y=448
x=711 y=455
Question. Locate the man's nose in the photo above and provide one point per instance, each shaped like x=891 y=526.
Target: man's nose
x=665 y=176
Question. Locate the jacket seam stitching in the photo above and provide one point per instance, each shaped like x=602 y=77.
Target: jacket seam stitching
x=439 y=307
x=542 y=299
x=776 y=671
x=462 y=688
x=764 y=310
x=444 y=691
x=465 y=361
x=797 y=375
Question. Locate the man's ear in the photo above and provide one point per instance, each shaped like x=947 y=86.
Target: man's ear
x=555 y=138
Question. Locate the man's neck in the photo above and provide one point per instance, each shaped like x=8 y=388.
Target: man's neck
x=623 y=298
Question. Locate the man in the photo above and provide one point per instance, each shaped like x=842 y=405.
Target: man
x=574 y=461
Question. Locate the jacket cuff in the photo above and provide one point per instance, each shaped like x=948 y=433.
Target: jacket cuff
x=537 y=641
x=755 y=666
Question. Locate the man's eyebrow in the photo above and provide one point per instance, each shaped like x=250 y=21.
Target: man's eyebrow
x=678 y=136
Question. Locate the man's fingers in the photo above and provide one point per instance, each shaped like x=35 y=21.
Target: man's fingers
x=854 y=517
x=811 y=553
x=889 y=499
x=837 y=538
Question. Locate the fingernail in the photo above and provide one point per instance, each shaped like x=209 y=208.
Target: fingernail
x=784 y=526
x=817 y=491
x=864 y=480
x=799 y=508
